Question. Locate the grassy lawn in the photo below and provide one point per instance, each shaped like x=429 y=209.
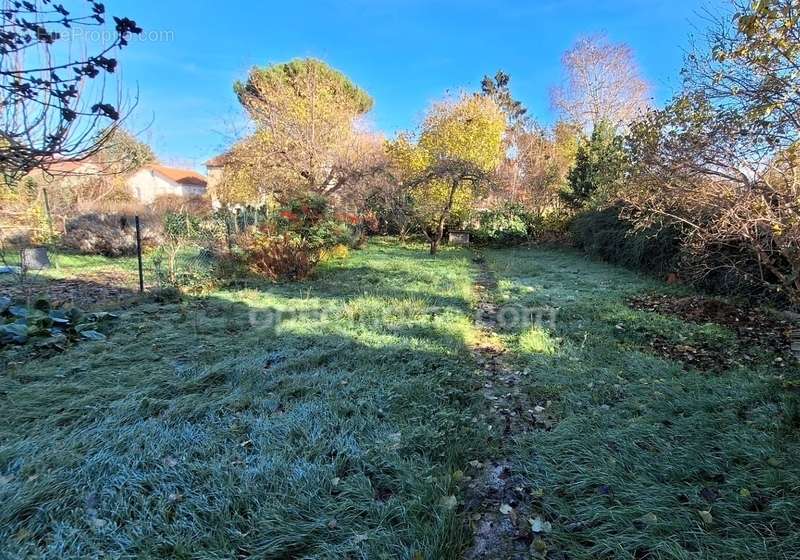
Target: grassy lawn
x=119 y=274
x=642 y=445
x=206 y=430
x=334 y=418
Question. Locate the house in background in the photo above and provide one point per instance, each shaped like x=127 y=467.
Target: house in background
x=153 y=181
x=215 y=171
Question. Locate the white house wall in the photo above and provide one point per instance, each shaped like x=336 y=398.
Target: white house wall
x=147 y=185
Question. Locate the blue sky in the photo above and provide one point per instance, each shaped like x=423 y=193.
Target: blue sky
x=405 y=53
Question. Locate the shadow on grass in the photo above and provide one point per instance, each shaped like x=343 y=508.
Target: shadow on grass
x=193 y=432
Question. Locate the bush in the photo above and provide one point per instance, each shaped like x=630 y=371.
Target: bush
x=513 y=224
x=111 y=235
x=281 y=257
x=504 y=226
x=552 y=226
x=297 y=237
x=604 y=235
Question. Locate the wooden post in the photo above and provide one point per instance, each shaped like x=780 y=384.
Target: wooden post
x=228 y=233
x=139 y=254
x=47 y=211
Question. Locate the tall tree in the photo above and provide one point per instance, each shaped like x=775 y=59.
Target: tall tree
x=599 y=167
x=306 y=116
x=460 y=144
x=48 y=109
x=602 y=83
x=498 y=88
x=536 y=165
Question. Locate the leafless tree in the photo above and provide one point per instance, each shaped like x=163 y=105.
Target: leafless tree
x=722 y=160
x=55 y=104
x=602 y=82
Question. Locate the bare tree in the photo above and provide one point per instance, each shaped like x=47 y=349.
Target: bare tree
x=722 y=159
x=48 y=109
x=602 y=82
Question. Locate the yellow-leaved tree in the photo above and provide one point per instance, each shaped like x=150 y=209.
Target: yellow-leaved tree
x=460 y=143
x=309 y=132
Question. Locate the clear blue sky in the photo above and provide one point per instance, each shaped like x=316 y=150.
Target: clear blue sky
x=405 y=53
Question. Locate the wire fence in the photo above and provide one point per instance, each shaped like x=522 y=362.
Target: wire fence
x=34 y=270
x=101 y=258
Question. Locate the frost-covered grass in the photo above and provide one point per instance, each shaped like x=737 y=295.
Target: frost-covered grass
x=333 y=418
x=209 y=430
x=643 y=445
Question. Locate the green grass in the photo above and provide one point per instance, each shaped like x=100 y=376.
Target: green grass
x=97 y=269
x=643 y=445
x=208 y=429
x=199 y=430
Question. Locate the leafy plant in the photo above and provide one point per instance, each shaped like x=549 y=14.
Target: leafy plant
x=46 y=327
x=507 y=225
x=282 y=257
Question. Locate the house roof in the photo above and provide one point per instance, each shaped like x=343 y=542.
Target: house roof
x=183 y=176
x=218 y=161
x=68 y=166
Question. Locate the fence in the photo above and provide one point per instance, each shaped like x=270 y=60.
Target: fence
x=34 y=268
x=98 y=255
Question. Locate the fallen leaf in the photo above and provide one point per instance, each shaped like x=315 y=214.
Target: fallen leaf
x=538 y=525
x=448 y=502
x=709 y=494
x=706 y=516
x=649 y=518
x=506 y=509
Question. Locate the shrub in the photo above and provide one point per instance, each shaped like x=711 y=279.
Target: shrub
x=552 y=225
x=604 y=235
x=337 y=252
x=506 y=225
x=195 y=205
x=284 y=256
x=297 y=237
x=111 y=235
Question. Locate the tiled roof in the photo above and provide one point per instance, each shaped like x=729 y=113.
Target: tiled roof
x=184 y=176
x=66 y=166
x=218 y=161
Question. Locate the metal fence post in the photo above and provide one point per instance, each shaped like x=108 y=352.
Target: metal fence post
x=139 y=254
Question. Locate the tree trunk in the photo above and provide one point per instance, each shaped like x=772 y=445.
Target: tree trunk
x=436 y=238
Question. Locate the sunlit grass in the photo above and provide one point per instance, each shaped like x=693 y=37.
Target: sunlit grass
x=536 y=340
x=200 y=430
x=643 y=444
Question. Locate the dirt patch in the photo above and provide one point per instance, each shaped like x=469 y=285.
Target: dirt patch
x=97 y=288
x=757 y=331
x=499 y=501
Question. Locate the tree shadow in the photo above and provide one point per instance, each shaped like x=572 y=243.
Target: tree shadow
x=195 y=431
